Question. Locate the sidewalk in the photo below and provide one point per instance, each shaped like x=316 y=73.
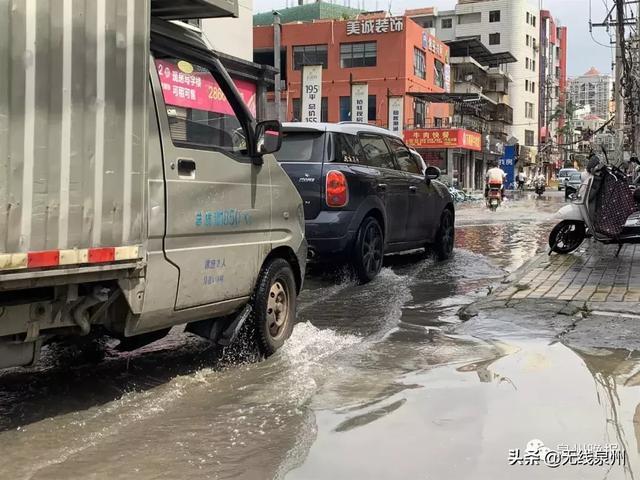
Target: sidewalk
x=592 y=277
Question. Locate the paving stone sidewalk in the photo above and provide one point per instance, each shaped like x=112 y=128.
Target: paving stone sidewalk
x=591 y=274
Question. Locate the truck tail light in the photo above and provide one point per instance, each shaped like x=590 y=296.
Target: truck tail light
x=337 y=191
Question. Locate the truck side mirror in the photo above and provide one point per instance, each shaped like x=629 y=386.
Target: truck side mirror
x=268 y=137
x=431 y=173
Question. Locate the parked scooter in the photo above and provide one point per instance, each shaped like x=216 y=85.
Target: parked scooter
x=494 y=197
x=604 y=208
x=539 y=186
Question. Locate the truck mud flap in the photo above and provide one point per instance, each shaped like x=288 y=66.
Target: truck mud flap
x=18 y=354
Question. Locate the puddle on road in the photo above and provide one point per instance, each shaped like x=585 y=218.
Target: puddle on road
x=378 y=381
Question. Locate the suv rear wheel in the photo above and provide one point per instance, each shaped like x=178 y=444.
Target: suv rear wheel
x=368 y=250
x=446 y=236
x=274 y=305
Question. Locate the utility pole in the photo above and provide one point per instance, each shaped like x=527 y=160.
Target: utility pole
x=619 y=99
x=277 y=29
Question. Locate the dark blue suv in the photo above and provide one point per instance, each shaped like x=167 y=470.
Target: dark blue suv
x=365 y=194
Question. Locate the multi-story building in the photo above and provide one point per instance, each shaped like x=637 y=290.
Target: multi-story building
x=552 y=90
x=392 y=56
x=502 y=26
x=593 y=89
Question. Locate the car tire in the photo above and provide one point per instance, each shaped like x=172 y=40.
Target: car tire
x=446 y=236
x=274 y=306
x=368 y=251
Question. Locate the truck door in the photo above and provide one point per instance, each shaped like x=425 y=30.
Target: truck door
x=218 y=212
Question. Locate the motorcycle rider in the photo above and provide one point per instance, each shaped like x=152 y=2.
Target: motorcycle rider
x=495 y=177
x=522 y=178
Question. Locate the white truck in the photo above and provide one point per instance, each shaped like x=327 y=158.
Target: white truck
x=137 y=192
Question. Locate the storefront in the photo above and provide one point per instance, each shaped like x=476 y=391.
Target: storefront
x=453 y=150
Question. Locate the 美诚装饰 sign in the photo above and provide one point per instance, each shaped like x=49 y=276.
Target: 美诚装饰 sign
x=375 y=25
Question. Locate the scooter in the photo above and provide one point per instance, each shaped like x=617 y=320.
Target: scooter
x=539 y=186
x=494 y=197
x=604 y=208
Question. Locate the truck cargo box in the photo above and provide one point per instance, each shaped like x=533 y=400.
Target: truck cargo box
x=73 y=121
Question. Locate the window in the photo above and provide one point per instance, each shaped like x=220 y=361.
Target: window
x=528 y=138
x=533 y=65
x=526 y=85
x=419 y=113
x=446 y=23
x=494 y=16
x=528 y=16
x=404 y=159
x=345 y=109
x=301 y=147
x=361 y=54
x=376 y=152
x=309 y=55
x=526 y=63
x=528 y=40
x=428 y=24
x=324 y=109
x=419 y=63
x=437 y=122
x=438 y=69
x=200 y=116
x=373 y=113
x=494 y=39
x=533 y=44
x=533 y=20
x=347 y=149
x=528 y=109
x=533 y=87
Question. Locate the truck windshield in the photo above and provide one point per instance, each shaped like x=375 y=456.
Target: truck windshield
x=301 y=147
x=199 y=113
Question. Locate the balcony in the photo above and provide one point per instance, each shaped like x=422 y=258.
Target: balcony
x=468 y=75
x=502 y=113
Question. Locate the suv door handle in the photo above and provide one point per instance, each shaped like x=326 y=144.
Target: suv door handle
x=186 y=167
x=413 y=188
x=382 y=187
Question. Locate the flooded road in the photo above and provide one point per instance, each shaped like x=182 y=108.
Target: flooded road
x=381 y=381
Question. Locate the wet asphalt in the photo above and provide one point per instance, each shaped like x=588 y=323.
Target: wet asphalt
x=381 y=381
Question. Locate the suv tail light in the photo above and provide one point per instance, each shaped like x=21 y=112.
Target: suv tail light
x=337 y=191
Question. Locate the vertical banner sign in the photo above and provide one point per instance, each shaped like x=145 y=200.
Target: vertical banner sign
x=396 y=115
x=360 y=103
x=507 y=163
x=311 y=93
x=447 y=78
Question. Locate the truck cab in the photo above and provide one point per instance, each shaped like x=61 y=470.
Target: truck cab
x=185 y=215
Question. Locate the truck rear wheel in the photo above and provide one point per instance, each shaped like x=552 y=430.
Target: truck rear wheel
x=274 y=305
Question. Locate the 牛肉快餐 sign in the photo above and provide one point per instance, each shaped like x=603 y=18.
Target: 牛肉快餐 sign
x=444 y=138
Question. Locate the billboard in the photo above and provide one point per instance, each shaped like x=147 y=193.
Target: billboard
x=311 y=93
x=184 y=86
x=360 y=103
x=507 y=163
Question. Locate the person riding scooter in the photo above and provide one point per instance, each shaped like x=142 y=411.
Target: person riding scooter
x=495 y=178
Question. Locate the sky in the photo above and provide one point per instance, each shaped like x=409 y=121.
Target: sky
x=584 y=52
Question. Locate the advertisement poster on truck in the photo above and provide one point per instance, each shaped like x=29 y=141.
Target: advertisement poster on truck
x=185 y=87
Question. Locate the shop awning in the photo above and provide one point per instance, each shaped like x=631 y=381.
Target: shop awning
x=188 y=9
x=472 y=47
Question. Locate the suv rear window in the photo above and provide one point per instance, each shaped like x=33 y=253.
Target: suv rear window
x=301 y=147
